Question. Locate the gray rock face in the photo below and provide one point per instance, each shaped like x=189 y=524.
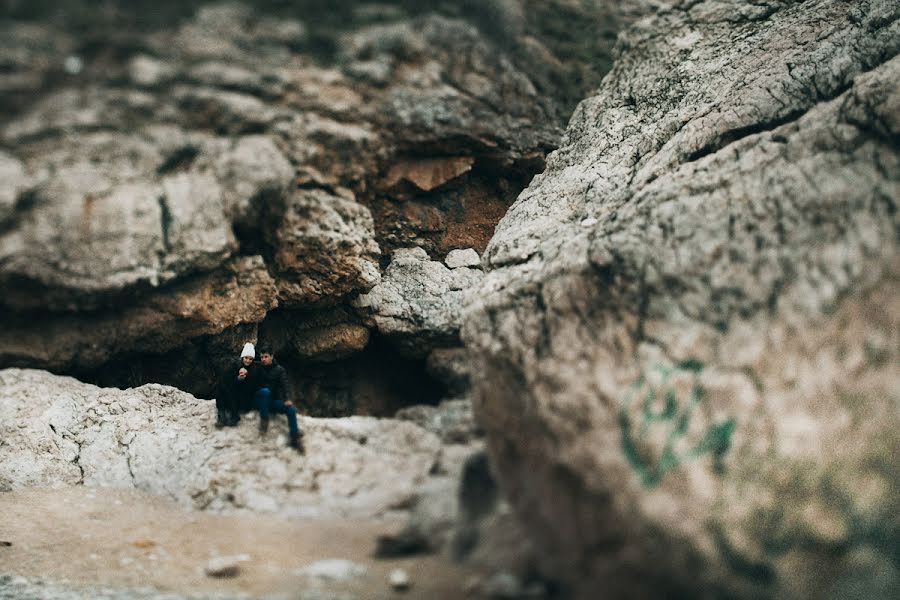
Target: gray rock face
x=56 y=431
x=682 y=346
x=419 y=302
x=462 y=258
x=109 y=212
x=326 y=249
x=12 y=173
x=452 y=421
x=169 y=157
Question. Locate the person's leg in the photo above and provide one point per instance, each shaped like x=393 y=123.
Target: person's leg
x=221 y=412
x=294 y=431
x=262 y=397
x=296 y=439
x=233 y=414
x=291 y=413
x=246 y=403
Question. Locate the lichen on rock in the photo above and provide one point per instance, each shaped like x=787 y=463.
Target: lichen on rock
x=668 y=342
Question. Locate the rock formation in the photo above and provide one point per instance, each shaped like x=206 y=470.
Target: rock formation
x=419 y=301
x=685 y=342
x=57 y=431
x=683 y=333
x=270 y=155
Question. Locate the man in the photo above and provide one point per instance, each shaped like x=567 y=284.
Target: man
x=237 y=385
x=274 y=395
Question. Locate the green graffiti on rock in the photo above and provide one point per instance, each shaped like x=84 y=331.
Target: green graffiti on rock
x=661 y=407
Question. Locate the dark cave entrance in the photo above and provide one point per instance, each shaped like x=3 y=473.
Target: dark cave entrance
x=377 y=381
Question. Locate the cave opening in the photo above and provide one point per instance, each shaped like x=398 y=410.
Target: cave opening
x=376 y=381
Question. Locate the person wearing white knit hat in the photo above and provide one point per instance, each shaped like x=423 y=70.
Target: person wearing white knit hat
x=238 y=383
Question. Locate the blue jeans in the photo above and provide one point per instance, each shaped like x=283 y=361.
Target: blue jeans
x=266 y=404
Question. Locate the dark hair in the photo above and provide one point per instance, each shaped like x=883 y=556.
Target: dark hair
x=265 y=350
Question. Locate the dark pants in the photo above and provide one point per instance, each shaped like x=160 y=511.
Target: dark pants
x=267 y=404
x=227 y=408
x=236 y=400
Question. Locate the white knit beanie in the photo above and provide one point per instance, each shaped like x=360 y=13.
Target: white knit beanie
x=248 y=350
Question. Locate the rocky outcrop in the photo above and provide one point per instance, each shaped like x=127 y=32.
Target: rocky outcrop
x=325 y=249
x=57 y=431
x=208 y=305
x=685 y=342
x=145 y=152
x=419 y=302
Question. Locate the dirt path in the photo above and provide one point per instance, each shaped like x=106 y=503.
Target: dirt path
x=131 y=539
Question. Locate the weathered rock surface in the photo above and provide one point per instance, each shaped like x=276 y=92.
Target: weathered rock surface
x=142 y=151
x=419 y=302
x=12 y=172
x=242 y=291
x=322 y=334
x=686 y=343
x=462 y=258
x=55 y=431
x=326 y=249
x=452 y=420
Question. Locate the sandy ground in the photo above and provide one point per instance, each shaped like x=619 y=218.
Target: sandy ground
x=126 y=538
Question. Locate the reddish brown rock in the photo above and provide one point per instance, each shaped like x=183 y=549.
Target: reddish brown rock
x=325 y=249
x=428 y=174
x=243 y=292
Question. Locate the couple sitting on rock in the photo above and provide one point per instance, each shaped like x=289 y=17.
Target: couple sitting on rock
x=264 y=385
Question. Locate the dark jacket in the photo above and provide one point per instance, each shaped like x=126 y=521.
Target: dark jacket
x=241 y=391
x=275 y=378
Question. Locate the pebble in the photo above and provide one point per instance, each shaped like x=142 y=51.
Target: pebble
x=333 y=569
x=503 y=586
x=225 y=566
x=399 y=579
x=73 y=64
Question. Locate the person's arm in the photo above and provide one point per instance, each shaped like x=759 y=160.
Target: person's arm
x=254 y=375
x=228 y=378
x=285 y=384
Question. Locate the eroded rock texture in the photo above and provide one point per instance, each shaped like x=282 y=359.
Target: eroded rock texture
x=419 y=301
x=152 y=152
x=57 y=431
x=686 y=342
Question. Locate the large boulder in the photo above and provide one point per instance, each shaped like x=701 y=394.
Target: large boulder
x=56 y=431
x=419 y=302
x=326 y=249
x=685 y=344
